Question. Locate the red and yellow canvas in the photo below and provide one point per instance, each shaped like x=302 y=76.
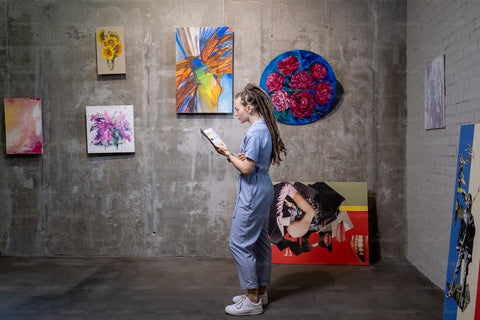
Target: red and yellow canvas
x=320 y=223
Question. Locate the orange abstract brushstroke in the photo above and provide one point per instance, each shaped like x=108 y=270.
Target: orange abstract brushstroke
x=185 y=91
x=211 y=46
x=183 y=70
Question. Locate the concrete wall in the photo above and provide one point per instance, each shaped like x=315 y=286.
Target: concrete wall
x=435 y=28
x=175 y=195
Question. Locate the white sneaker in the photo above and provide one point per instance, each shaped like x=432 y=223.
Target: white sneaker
x=244 y=307
x=263 y=296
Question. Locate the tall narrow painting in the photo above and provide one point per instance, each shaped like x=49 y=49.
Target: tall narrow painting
x=435 y=93
x=319 y=223
x=204 y=64
x=110 y=51
x=110 y=129
x=23 y=125
x=462 y=295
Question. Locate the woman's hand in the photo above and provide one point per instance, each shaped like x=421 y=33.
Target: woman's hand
x=241 y=156
x=223 y=151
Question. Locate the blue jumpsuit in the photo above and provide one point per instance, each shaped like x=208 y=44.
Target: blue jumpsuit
x=249 y=241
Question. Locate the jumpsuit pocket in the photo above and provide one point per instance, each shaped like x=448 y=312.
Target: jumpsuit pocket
x=247 y=192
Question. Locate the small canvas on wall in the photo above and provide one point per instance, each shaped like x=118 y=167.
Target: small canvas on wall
x=319 y=223
x=204 y=61
x=23 y=125
x=110 y=51
x=110 y=129
x=435 y=93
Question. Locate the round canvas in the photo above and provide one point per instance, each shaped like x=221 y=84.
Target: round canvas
x=301 y=85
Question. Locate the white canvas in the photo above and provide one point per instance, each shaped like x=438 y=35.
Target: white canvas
x=434 y=93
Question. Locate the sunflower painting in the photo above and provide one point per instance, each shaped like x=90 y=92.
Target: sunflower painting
x=110 y=51
x=204 y=59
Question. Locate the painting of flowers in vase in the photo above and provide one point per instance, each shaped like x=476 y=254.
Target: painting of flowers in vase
x=110 y=129
x=110 y=50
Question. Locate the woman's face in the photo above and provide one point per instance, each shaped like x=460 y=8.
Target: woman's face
x=241 y=111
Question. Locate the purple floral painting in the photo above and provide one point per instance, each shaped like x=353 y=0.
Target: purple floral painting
x=302 y=86
x=110 y=129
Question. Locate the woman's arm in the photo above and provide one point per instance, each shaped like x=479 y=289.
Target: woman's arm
x=243 y=164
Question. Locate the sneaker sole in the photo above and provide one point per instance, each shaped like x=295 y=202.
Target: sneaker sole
x=249 y=313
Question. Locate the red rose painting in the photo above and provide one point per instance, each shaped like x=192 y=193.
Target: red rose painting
x=302 y=86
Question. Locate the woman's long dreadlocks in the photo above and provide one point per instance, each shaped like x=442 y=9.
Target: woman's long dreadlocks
x=256 y=97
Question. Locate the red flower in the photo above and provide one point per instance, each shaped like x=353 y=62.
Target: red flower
x=318 y=70
x=303 y=105
x=288 y=65
x=281 y=100
x=275 y=81
x=323 y=92
x=302 y=80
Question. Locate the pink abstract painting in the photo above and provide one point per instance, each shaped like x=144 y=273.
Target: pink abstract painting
x=23 y=125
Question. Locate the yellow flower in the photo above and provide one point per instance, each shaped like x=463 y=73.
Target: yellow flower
x=111 y=41
x=101 y=37
x=118 y=49
x=108 y=53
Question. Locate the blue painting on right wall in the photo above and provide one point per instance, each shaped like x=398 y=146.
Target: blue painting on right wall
x=462 y=298
x=302 y=86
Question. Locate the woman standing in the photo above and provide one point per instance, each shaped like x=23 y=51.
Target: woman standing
x=249 y=243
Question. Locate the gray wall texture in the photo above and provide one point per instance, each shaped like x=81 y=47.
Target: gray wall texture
x=175 y=195
x=434 y=28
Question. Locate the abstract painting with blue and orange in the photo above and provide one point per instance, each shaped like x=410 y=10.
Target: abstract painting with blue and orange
x=23 y=125
x=204 y=66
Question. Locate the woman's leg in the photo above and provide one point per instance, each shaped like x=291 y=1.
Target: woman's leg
x=263 y=252
x=243 y=237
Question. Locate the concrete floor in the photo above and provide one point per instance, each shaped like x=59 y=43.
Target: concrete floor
x=188 y=288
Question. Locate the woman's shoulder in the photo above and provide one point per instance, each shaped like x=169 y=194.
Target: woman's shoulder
x=258 y=126
x=258 y=131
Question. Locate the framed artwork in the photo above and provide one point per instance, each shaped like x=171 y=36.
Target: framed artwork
x=462 y=295
x=337 y=228
x=204 y=66
x=23 y=125
x=435 y=93
x=110 y=51
x=110 y=129
x=302 y=86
